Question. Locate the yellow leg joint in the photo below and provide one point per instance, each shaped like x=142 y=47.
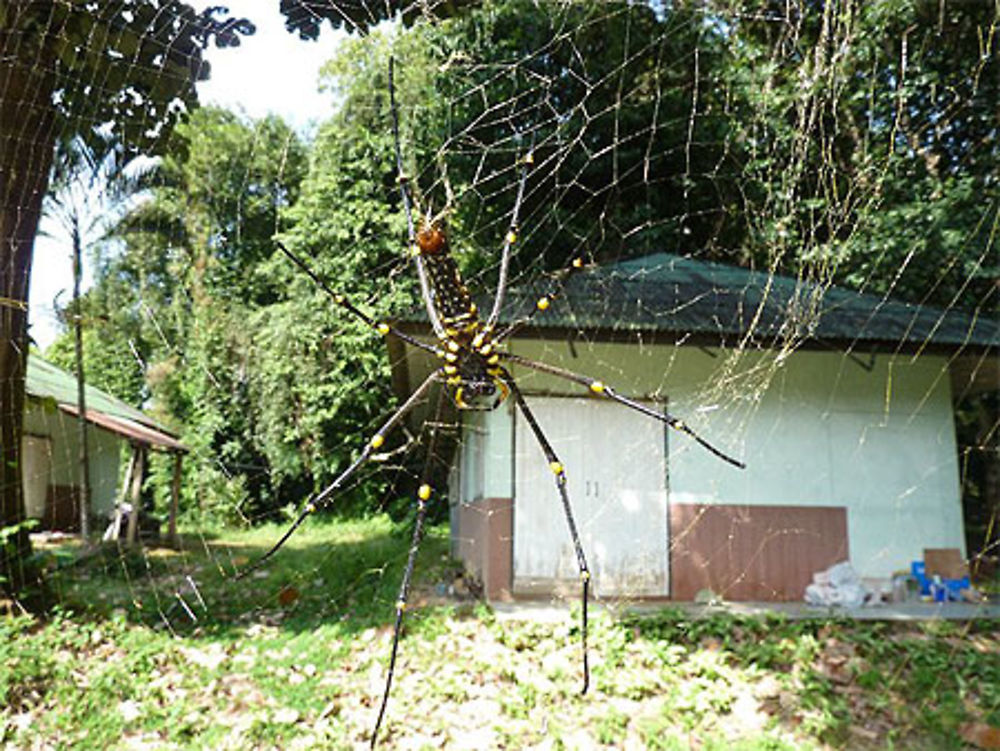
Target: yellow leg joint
x=311 y=508
x=383 y=328
x=424 y=492
x=377 y=440
x=556 y=467
x=529 y=158
x=597 y=387
x=543 y=303
x=585 y=576
x=511 y=237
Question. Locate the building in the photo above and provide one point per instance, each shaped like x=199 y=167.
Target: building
x=839 y=403
x=51 y=449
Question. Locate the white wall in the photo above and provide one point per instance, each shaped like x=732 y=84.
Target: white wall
x=62 y=430
x=815 y=428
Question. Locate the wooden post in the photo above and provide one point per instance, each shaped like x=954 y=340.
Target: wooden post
x=136 y=499
x=175 y=495
x=126 y=485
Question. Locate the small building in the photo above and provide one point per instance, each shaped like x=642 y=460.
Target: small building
x=839 y=403
x=51 y=449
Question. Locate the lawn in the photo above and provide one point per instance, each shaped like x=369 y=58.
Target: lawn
x=163 y=649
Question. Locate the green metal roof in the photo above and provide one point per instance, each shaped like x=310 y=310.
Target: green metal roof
x=668 y=293
x=45 y=381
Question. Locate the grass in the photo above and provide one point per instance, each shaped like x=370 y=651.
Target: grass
x=295 y=657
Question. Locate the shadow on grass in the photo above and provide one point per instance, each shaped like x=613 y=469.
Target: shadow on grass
x=338 y=572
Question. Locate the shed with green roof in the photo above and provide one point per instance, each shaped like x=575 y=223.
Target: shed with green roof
x=51 y=455
x=839 y=402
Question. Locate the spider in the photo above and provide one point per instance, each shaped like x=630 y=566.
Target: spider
x=473 y=368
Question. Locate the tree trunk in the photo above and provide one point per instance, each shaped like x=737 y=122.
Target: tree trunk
x=81 y=385
x=27 y=142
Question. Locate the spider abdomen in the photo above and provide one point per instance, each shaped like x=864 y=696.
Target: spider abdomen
x=452 y=300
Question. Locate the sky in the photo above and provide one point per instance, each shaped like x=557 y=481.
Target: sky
x=270 y=72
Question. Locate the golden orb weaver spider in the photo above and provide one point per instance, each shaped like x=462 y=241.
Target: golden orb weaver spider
x=473 y=369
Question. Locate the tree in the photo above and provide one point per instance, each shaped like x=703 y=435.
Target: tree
x=177 y=288
x=127 y=66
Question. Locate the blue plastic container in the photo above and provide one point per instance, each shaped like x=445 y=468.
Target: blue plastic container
x=951 y=589
x=920 y=574
x=954 y=587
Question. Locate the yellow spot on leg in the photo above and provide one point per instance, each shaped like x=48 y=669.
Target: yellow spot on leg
x=543 y=303
x=597 y=387
x=577 y=263
x=424 y=492
x=556 y=467
x=377 y=440
x=383 y=328
x=512 y=237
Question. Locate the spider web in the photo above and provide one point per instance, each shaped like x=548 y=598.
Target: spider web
x=787 y=223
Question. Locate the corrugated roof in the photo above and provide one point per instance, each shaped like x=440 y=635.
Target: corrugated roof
x=45 y=381
x=668 y=293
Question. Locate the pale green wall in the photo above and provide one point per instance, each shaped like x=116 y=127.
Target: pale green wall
x=104 y=450
x=815 y=428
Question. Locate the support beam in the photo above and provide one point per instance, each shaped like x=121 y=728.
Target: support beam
x=136 y=496
x=175 y=495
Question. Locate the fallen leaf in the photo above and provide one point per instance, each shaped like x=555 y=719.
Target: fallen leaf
x=288 y=596
x=980 y=735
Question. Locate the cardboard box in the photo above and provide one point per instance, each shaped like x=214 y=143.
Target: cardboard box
x=945 y=562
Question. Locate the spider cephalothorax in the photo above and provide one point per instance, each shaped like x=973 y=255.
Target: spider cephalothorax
x=474 y=374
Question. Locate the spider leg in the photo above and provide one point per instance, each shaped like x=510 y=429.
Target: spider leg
x=601 y=388
x=510 y=238
x=424 y=493
x=404 y=190
x=543 y=302
x=559 y=471
x=380 y=326
x=319 y=500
